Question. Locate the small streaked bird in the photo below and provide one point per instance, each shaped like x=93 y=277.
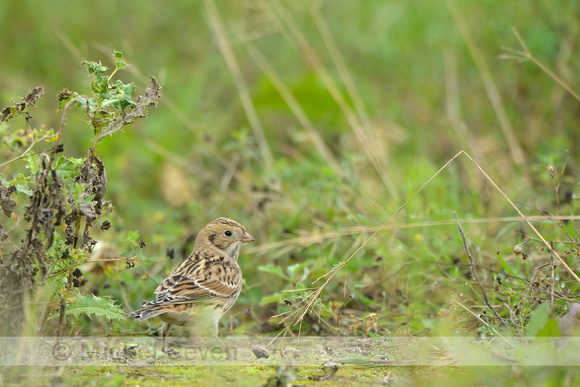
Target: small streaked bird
x=204 y=287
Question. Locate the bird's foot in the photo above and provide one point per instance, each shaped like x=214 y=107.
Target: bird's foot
x=218 y=350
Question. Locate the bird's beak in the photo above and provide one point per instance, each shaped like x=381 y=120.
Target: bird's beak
x=247 y=238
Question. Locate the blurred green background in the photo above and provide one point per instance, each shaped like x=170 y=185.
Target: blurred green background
x=332 y=115
x=311 y=123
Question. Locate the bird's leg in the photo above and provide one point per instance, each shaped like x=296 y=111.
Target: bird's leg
x=229 y=357
x=165 y=330
x=215 y=335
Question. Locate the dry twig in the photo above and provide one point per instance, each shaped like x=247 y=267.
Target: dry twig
x=525 y=54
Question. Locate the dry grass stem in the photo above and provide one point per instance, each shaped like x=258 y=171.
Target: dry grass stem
x=552 y=280
x=562 y=261
x=296 y=109
x=525 y=54
x=309 y=239
x=362 y=131
x=228 y=53
x=311 y=299
x=488 y=82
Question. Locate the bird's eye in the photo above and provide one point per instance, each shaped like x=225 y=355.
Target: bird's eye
x=228 y=233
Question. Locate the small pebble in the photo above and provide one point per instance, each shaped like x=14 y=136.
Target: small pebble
x=330 y=368
x=260 y=352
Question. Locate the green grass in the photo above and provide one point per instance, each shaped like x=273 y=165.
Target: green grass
x=251 y=376
x=352 y=134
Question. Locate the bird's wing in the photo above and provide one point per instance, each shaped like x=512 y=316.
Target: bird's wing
x=199 y=279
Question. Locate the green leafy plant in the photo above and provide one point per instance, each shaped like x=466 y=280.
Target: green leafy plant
x=66 y=199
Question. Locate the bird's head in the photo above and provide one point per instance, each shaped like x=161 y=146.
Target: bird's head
x=226 y=235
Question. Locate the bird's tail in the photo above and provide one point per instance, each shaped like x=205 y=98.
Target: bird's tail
x=146 y=313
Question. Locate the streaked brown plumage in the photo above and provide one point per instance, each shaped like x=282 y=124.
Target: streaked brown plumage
x=204 y=287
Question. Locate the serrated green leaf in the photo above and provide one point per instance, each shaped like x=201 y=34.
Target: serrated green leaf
x=93 y=306
x=119 y=62
x=128 y=89
x=121 y=96
x=101 y=87
x=94 y=67
x=66 y=168
x=63 y=103
x=32 y=163
x=22 y=184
